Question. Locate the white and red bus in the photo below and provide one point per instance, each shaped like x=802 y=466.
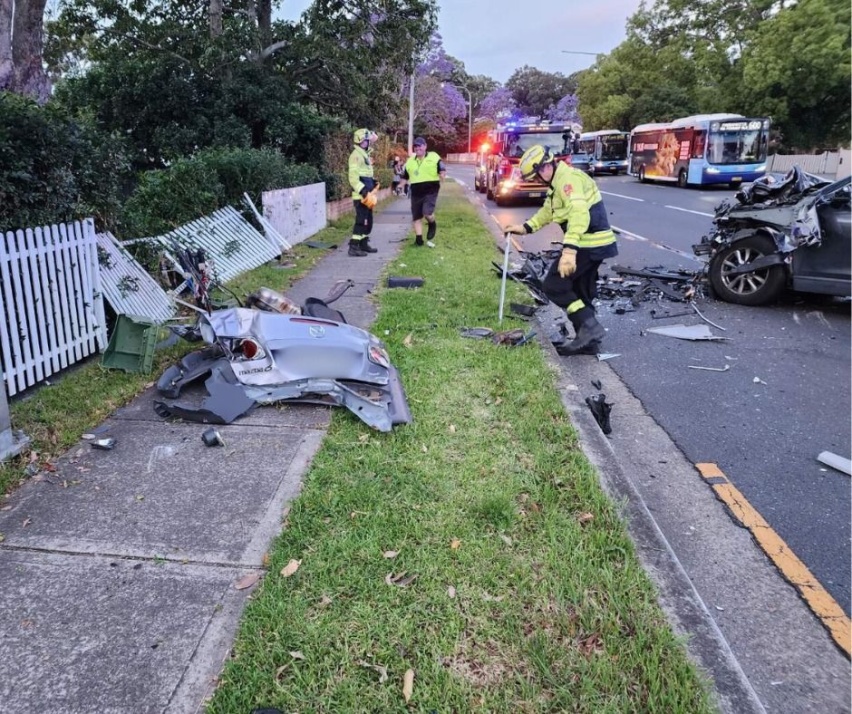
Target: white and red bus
x=700 y=150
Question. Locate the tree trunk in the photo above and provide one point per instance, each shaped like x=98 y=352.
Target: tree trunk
x=6 y=66
x=28 y=75
x=264 y=21
x=214 y=17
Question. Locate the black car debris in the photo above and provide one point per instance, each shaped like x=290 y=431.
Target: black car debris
x=792 y=232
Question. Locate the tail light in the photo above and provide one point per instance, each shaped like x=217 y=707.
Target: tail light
x=379 y=356
x=251 y=349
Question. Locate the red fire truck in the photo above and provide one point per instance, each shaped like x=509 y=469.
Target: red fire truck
x=500 y=178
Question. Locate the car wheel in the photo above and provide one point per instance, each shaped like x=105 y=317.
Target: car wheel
x=681 y=179
x=757 y=288
x=642 y=175
x=489 y=194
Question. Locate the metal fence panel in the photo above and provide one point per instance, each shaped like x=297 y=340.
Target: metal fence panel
x=50 y=300
x=230 y=242
x=127 y=286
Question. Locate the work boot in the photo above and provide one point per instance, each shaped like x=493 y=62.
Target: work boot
x=418 y=240
x=355 y=250
x=367 y=248
x=589 y=336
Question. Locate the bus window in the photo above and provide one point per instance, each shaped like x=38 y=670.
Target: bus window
x=699 y=139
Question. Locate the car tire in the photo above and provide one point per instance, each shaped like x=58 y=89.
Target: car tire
x=489 y=194
x=642 y=178
x=682 y=179
x=758 y=288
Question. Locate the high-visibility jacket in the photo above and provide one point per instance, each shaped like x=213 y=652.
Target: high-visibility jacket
x=360 y=171
x=429 y=168
x=574 y=202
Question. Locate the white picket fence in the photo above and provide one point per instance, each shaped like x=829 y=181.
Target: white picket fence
x=51 y=306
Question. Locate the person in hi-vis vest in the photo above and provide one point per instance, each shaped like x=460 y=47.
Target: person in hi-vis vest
x=424 y=172
x=364 y=189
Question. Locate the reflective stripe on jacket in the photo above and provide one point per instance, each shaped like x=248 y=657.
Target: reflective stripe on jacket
x=574 y=202
x=360 y=171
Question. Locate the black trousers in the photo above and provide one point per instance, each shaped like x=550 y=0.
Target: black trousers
x=363 y=220
x=582 y=285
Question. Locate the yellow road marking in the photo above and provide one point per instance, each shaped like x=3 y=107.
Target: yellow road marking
x=794 y=570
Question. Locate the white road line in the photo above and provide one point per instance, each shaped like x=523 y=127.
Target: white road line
x=619 y=195
x=662 y=246
x=686 y=210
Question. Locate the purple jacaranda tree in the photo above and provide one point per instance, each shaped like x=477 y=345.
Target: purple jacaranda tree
x=498 y=105
x=565 y=110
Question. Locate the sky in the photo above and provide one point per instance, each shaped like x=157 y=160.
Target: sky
x=496 y=37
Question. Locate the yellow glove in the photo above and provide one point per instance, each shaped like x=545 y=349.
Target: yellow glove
x=515 y=228
x=370 y=199
x=567 y=262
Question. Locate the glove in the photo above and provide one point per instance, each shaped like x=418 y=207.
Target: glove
x=370 y=200
x=567 y=262
x=515 y=228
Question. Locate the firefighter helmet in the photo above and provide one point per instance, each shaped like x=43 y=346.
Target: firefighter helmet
x=533 y=159
x=362 y=135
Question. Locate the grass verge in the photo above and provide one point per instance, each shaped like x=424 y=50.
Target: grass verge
x=55 y=416
x=473 y=547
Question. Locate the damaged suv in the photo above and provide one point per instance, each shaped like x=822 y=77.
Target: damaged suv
x=787 y=233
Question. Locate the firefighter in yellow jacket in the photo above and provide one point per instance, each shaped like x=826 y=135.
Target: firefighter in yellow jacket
x=574 y=202
x=364 y=188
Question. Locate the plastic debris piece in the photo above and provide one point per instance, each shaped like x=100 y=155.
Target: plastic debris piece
x=600 y=410
x=686 y=332
x=103 y=444
x=711 y=369
x=211 y=437
x=603 y=356
x=404 y=282
x=477 y=332
x=596 y=383
x=758 y=380
x=836 y=462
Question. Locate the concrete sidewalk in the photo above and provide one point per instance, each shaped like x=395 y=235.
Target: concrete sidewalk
x=118 y=572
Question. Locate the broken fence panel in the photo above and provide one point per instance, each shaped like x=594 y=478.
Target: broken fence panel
x=51 y=301
x=127 y=286
x=229 y=240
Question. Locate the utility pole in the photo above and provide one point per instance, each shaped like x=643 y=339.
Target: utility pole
x=411 y=115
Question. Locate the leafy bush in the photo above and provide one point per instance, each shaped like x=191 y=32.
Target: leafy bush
x=55 y=169
x=194 y=187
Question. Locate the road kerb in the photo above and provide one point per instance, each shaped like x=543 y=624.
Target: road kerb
x=794 y=570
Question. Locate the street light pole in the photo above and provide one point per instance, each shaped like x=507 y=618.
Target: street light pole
x=411 y=115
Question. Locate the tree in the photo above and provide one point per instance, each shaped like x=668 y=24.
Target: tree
x=797 y=70
x=21 y=45
x=534 y=91
x=177 y=77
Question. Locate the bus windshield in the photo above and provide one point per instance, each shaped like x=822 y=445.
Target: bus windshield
x=517 y=144
x=736 y=147
x=613 y=148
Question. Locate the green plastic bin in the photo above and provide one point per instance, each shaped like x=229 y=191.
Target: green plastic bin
x=131 y=346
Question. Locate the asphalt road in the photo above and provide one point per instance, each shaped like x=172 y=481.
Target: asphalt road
x=764 y=435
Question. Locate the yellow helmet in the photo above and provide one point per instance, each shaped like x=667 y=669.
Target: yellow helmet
x=364 y=135
x=533 y=159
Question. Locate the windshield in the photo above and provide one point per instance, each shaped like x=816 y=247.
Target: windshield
x=736 y=147
x=613 y=148
x=517 y=144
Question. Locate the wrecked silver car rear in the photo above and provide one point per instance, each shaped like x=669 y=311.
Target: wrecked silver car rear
x=793 y=232
x=258 y=357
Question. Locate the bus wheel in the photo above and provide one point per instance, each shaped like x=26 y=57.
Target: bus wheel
x=642 y=174
x=681 y=179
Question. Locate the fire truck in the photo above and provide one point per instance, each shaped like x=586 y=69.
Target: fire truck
x=500 y=178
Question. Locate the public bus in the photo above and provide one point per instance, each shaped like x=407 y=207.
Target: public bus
x=608 y=149
x=700 y=150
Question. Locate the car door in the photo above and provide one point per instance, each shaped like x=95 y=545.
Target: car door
x=826 y=268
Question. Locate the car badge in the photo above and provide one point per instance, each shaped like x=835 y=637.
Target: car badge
x=317 y=331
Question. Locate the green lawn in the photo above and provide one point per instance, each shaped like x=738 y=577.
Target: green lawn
x=473 y=547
